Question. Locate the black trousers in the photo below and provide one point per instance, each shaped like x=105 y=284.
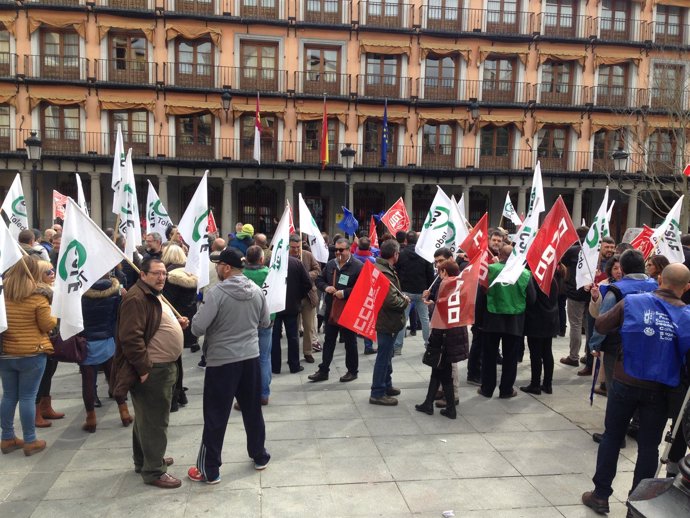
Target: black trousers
x=444 y=373
x=540 y=355
x=47 y=378
x=474 y=361
x=241 y=380
x=329 y=342
x=490 y=344
x=290 y=322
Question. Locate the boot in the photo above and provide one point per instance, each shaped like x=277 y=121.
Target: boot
x=124 y=415
x=449 y=411
x=40 y=422
x=90 y=423
x=428 y=406
x=34 y=447
x=10 y=445
x=47 y=409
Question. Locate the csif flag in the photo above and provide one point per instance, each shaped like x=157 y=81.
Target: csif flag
x=118 y=168
x=509 y=212
x=366 y=298
x=86 y=254
x=438 y=229
x=193 y=229
x=666 y=237
x=130 y=224
x=373 y=236
x=14 y=208
x=275 y=284
x=460 y=224
x=307 y=225
x=643 y=241
x=81 y=199
x=396 y=218
x=686 y=171
x=588 y=258
x=555 y=236
x=10 y=254
x=157 y=219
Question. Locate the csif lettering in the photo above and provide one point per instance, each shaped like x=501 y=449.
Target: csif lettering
x=70 y=267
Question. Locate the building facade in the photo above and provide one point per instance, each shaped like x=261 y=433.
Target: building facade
x=477 y=92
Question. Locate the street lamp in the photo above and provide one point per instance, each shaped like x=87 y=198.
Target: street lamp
x=473 y=108
x=33 y=152
x=620 y=160
x=348 y=157
x=226 y=99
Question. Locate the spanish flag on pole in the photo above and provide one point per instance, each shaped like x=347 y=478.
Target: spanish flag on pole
x=324 y=137
x=257 y=132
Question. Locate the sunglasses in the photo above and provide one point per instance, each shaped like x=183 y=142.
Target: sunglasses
x=340 y=250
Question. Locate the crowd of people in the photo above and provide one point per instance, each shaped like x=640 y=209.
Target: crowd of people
x=140 y=317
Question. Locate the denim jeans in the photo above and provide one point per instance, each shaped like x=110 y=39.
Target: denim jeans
x=622 y=402
x=265 y=343
x=20 y=380
x=383 y=367
x=368 y=344
x=422 y=313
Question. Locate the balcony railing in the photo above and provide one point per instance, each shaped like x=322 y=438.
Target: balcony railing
x=662 y=163
x=604 y=163
x=444 y=19
x=670 y=35
x=563 y=94
x=383 y=86
x=622 y=30
x=562 y=26
x=322 y=83
x=269 y=80
x=8 y=65
x=325 y=12
x=498 y=91
x=70 y=3
x=440 y=89
x=507 y=22
x=194 y=7
x=126 y=71
x=127 y=5
x=385 y=15
x=258 y=11
x=618 y=96
x=190 y=75
x=672 y=99
x=57 y=68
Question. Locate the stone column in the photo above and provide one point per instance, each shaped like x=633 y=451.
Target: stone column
x=522 y=201
x=577 y=207
x=29 y=197
x=632 y=209
x=163 y=190
x=466 y=193
x=351 y=196
x=96 y=208
x=408 y=197
x=226 y=218
x=290 y=193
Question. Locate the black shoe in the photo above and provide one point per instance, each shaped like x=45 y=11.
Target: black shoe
x=194 y=348
x=547 y=389
x=98 y=403
x=598 y=505
x=318 y=376
x=596 y=437
x=308 y=358
x=425 y=407
x=479 y=391
x=349 y=376
x=298 y=369
x=174 y=406
x=449 y=412
x=509 y=395
x=413 y=333
x=182 y=400
x=370 y=351
x=474 y=381
x=532 y=389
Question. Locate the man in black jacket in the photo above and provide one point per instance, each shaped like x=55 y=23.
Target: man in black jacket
x=416 y=275
x=337 y=280
x=298 y=286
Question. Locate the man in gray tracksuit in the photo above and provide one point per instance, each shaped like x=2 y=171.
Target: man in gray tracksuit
x=229 y=317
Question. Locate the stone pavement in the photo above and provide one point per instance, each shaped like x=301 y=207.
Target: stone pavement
x=334 y=454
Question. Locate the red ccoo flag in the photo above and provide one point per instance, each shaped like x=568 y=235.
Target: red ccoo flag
x=555 y=236
x=212 y=227
x=477 y=241
x=396 y=218
x=373 y=236
x=366 y=298
x=323 y=151
x=643 y=241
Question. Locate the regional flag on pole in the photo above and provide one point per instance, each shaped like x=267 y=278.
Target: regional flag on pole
x=323 y=152
x=438 y=229
x=14 y=207
x=157 y=219
x=366 y=298
x=555 y=236
x=384 y=135
x=307 y=225
x=118 y=167
x=396 y=218
x=85 y=256
x=666 y=237
x=193 y=229
x=373 y=236
x=257 y=132
x=130 y=224
x=275 y=285
x=10 y=254
x=81 y=199
x=588 y=259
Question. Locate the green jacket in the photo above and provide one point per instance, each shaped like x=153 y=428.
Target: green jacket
x=391 y=317
x=507 y=299
x=258 y=276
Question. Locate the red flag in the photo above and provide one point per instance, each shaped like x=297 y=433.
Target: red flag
x=212 y=227
x=292 y=223
x=643 y=241
x=686 y=171
x=366 y=298
x=323 y=152
x=478 y=239
x=373 y=236
x=59 y=203
x=554 y=237
x=396 y=218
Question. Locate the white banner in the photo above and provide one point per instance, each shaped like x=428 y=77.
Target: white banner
x=157 y=219
x=666 y=237
x=14 y=207
x=275 y=285
x=193 y=229
x=130 y=224
x=588 y=259
x=438 y=228
x=307 y=225
x=10 y=253
x=118 y=168
x=81 y=199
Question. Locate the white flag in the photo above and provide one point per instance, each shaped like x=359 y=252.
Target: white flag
x=536 y=194
x=10 y=253
x=275 y=285
x=460 y=223
x=14 y=207
x=157 y=219
x=86 y=254
x=307 y=225
x=118 y=168
x=666 y=237
x=524 y=237
x=438 y=228
x=193 y=228
x=130 y=224
x=509 y=212
x=81 y=199
x=605 y=227
x=588 y=259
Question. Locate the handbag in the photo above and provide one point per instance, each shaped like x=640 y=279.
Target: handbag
x=72 y=350
x=337 y=306
x=433 y=354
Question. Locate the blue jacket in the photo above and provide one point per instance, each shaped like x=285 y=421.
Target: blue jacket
x=100 y=305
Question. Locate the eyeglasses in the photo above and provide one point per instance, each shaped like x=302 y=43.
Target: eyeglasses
x=158 y=274
x=338 y=250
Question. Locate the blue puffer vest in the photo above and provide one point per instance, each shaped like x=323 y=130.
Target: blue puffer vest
x=99 y=306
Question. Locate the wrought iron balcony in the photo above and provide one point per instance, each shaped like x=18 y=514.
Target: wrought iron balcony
x=56 y=68
x=672 y=99
x=609 y=29
x=670 y=34
x=127 y=5
x=322 y=83
x=553 y=25
x=563 y=94
x=258 y=11
x=193 y=7
x=325 y=12
x=132 y=72
x=383 y=86
x=8 y=65
x=618 y=96
x=385 y=15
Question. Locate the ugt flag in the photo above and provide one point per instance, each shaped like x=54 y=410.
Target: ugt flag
x=157 y=219
x=588 y=259
x=307 y=225
x=14 y=207
x=477 y=240
x=555 y=236
x=10 y=253
x=396 y=218
x=193 y=229
x=275 y=284
x=366 y=298
x=86 y=254
x=643 y=241
x=130 y=224
x=438 y=228
x=349 y=223
x=666 y=237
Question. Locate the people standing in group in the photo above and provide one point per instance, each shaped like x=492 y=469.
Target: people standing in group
x=310 y=338
x=336 y=281
x=390 y=321
x=26 y=347
x=363 y=254
x=27 y=241
x=261 y=241
x=153 y=243
x=242 y=239
x=655 y=265
x=148 y=343
x=231 y=347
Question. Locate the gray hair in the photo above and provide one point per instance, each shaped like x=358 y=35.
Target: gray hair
x=389 y=248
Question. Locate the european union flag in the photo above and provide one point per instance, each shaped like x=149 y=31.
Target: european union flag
x=384 y=135
x=378 y=216
x=348 y=224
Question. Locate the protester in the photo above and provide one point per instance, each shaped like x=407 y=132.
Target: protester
x=243 y=239
x=655 y=265
x=55 y=252
x=231 y=348
x=363 y=253
x=45 y=240
x=261 y=241
x=154 y=246
x=310 y=339
x=25 y=348
x=27 y=240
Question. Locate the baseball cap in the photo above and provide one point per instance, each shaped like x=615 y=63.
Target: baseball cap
x=229 y=255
